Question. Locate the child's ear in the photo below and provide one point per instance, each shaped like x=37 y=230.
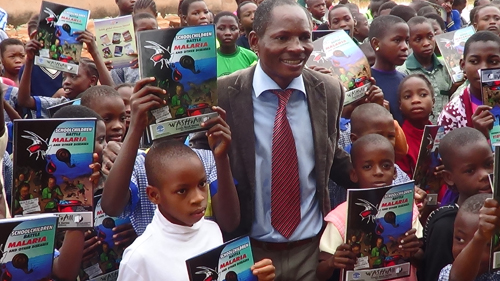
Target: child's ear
x=462 y=64
x=395 y=173
x=374 y=43
x=353 y=138
x=353 y=176
x=93 y=81
x=448 y=179
x=153 y=194
x=253 y=40
x=184 y=18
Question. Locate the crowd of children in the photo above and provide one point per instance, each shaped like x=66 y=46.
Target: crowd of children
x=183 y=201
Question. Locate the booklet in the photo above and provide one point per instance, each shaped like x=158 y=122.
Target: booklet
x=338 y=52
x=427 y=161
x=27 y=247
x=51 y=169
x=377 y=220
x=490 y=92
x=230 y=261
x=56 y=32
x=53 y=109
x=116 y=40
x=184 y=63
x=451 y=45
x=495 y=240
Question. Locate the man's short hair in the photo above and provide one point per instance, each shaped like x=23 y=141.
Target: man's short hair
x=263 y=13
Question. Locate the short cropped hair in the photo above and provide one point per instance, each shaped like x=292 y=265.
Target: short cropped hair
x=416 y=75
x=364 y=112
x=481 y=36
x=96 y=93
x=76 y=111
x=387 y=6
x=9 y=42
x=263 y=16
x=455 y=141
x=141 y=16
x=438 y=19
x=185 y=5
x=375 y=5
x=161 y=155
x=225 y=14
x=426 y=10
x=124 y=85
x=238 y=10
x=381 y=25
x=404 y=12
x=473 y=204
x=372 y=141
x=417 y=20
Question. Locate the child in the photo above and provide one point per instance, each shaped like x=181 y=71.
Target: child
x=404 y=12
x=453 y=21
x=194 y=12
x=388 y=37
x=145 y=6
x=467 y=160
x=416 y=100
x=386 y=8
x=373 y=8
x=130 y=74
x=482 y=50
x=230 y=57
x=372 y=158
x=340 y=18
x=361 y=28
x=487 y=17
x=245 y=13
x=125 y=187
x=106 y=102
x=437 y=24
x=459 y=6
x=178 y=186
x=125 y=90
x=423 y=60
x=474 y=228
x=125 y=7
x=13 y=58
x=317 y=9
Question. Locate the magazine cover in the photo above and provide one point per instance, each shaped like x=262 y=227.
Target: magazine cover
x=51 y=169
x=116 y=40
x=451 y=45
x=56 y=32
x=316 y=34
x=184 y=63
x=27 y=247
x=495 y=240
x=338 y=52
x=490 y=91
x=377 y=219
x=428 y=160
x=230 y=261
x=103 y=266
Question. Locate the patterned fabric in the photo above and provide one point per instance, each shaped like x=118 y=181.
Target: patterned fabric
x=8 y=174
x=140 y=209
x=285 y=185
x=444 y=275
x=457 y=113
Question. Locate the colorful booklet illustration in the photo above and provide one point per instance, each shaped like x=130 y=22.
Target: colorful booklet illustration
x=490 y=91
x=428 y=160
x=51 y=169
x=27 y=247
x=495 y=240
x=116 y=40
x=184 y=63
x=377 y=220
x=57 y=32
x=230 y=261
x=451 y=45
x=104 y=266
x=338 y=52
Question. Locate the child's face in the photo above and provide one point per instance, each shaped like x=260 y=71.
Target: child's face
x=488 y=18
x=51 y=182
x=415 y=99
x=247 y=14
x=182 y=197
x=362 y=28
x=480 y=55
x=341 y=18
x=470 y=169
x=100 y=140
x=75 y=84
x=393 y=47
x=126 y=94
x=382 y=126
x=422 y=40
x=227 y=31
x=436 y=27
x=24 y=191
x=112 y=110
x=146 y=24
x=126 y=7
x=197 y=14
x=446 y=4
x=374 y=167
x=13 y=58
x=317 y=8
x=466 y=224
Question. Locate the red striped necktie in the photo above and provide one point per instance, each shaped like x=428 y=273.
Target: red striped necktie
x=285 y=185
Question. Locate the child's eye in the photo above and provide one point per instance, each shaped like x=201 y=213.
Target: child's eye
x=387 y=166
x=406 y=97
x=181 y=191
x=469 y=171
x=202 y=184
x=367 y=167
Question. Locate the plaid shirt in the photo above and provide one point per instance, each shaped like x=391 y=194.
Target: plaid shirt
x=444 y=275
x=140 y=209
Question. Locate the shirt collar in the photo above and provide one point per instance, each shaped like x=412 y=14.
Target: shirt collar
x=412 y=63
x=262 y=82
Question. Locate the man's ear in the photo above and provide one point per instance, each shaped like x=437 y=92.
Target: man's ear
x=153 y=194
x=448 y=179
x=353 y=176
x=253 y=40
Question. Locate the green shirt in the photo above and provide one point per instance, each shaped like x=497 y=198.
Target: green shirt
x=241 y=59
x=439 y=78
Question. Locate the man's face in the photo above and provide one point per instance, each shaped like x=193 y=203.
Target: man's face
x=286 y=44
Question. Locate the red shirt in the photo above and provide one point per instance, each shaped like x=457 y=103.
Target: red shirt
x=414 y=139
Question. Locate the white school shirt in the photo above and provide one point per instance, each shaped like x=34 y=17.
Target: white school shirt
x=160 y=253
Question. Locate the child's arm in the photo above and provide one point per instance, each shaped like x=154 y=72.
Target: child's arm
x=11 y=112
x=88 y=38
x=467 y=263
x=67 y=265
x=116 y=195
x=410 y=243
x=483 y=119
x=343 y=258
x=225 y=203
x=24 y=98
x=264 y=270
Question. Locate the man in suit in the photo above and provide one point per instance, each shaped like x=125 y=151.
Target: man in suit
x=282 y=167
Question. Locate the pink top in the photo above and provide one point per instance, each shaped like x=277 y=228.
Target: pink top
x=7 y=81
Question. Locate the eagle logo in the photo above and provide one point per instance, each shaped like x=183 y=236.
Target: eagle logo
x=210 y=274
x=370 y=211
x=161 y=55
x=39 y=145
x=52 y=18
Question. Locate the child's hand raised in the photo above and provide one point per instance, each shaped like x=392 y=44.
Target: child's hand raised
x=219 y=135
x=409 y=242
x=343 y=258
x=264 y=270
x=374 y=94
x=144 y=98
x=483 y=119
x=90 y=246
x=489 y=220
x=32 y=49
x=89 y=39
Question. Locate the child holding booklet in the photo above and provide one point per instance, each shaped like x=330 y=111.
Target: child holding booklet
x=178 y=186
x=372 y=158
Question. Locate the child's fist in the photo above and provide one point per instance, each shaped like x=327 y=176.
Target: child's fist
x=343 y=258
